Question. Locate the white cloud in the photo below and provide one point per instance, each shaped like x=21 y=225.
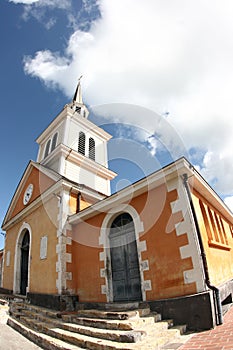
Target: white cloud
x=152 y=144
x=24 y=2
x=47 y=66
x=40 y=10
x=171 y=56
x=229 y=202
x=50 y=3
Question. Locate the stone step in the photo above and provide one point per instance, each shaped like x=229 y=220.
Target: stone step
x=97 y=329
x=77 y=339
x=52 y=343
x=99 y=323
x=43 y=340
x=114 y=320
x=123 y=306
x=182 y=328
x=120 y=306
x=3 y=301
x=18 y=308
x=142 y=310
x=87 y=342
x=117 y=336
x=109 y=324
x=159 y=333
x=92 y=313
x=77 y=324
x=109 y=315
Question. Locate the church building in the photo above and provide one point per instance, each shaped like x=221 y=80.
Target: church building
x=166 y=240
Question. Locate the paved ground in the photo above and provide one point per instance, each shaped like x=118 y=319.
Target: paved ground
x=220 y=338
x=9 y=338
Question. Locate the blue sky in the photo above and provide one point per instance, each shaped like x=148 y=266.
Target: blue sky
x=156 y=73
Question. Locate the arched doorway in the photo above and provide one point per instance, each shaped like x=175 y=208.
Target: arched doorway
x=24 y=263
x=126 y=281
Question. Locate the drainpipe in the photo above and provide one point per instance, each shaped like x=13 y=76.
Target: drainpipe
x=78 y=202
x=218 y=308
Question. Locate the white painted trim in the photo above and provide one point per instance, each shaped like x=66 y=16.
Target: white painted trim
x=89 y=164
x=43 y=247
x=17 y=259
x=162 y=176
x=21 y=184
x=62 y=256
x=45 y=196
x=66 y=130
x=67 y=112
x=187 y=226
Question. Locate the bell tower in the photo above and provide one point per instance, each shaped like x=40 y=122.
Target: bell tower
x=76 y=148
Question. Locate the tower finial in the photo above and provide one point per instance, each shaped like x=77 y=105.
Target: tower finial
x=78 y=93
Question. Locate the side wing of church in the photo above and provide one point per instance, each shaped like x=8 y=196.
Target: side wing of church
x=166 y=240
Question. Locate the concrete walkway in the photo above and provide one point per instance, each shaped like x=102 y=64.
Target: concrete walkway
x=9 y=338
x=219 y=338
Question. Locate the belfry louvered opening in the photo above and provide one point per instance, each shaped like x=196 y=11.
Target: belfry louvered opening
x=91 y=148
x=81 y=143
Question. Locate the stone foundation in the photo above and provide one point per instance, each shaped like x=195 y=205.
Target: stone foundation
x=196 y=311
x=53 y=301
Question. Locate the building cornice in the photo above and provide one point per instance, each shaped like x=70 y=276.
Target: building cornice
x=125 y=195
x=51 y=174
x=199 y=184
x=174 y=170
x=55 y=189
x=68 y=113
x=80 y=160
x=43 y=198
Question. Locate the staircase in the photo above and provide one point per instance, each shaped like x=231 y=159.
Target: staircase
x=109 y=329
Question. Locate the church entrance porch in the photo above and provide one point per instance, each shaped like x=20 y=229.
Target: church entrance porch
x=126 y=281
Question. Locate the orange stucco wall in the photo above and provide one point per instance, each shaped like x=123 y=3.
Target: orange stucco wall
x=40 y=183
x=1 y=261
x=73 y=203
x=217 y=238
x=42 y=272
x=85 y=267
x=8 y=271
x=165 y=264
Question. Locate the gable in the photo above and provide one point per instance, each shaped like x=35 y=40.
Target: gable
x=38 y=180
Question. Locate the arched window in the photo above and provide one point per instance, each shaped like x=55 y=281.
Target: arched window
x=54 y=141
x=91 y=148
x=121 y=221
x=50 y=147
x=47 y=148
x=81 y=143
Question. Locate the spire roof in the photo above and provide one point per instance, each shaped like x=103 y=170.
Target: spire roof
x=78 y=93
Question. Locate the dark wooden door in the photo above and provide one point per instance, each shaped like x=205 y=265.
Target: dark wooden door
x=124 y=260
x=24 y=263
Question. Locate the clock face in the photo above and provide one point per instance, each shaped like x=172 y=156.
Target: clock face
x=28 y=194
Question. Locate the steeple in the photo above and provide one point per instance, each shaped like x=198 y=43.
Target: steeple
x=76 y=148
x=77 y=104
x=78 y=93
